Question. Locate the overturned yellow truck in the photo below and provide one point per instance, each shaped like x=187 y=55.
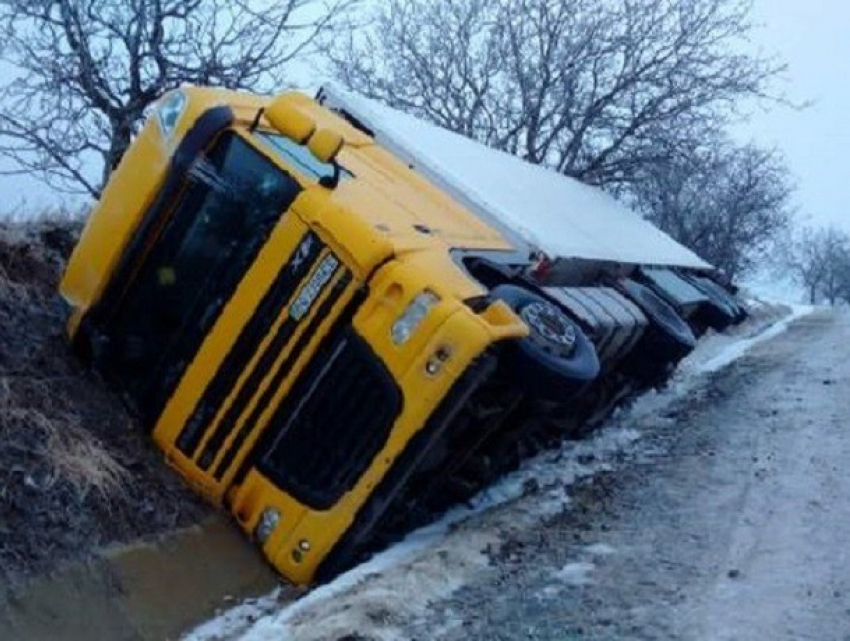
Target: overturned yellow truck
x=334 y=333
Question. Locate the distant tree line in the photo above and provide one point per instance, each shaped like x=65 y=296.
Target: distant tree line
x=634 y=96
x=820 y=262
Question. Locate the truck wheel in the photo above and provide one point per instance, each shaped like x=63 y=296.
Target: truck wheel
x=666 y=341
x=715 y=315
x=556 y=360
x=720 y=296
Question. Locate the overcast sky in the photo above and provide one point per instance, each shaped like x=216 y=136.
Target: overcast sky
x=813 y=36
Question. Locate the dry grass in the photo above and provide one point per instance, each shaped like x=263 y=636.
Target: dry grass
x=35 y=421
x=53 y=442
x=85 y=463
x=75 y=472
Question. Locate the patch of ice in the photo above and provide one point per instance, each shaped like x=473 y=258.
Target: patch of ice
x=236 y=620
x=600 y=549
x=737 y=349
x=549 y=592
x=578 y=573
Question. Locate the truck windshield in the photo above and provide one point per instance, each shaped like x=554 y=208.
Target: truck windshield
x=231 y=199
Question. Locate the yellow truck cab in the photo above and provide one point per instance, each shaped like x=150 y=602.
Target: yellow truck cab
x=289 y=307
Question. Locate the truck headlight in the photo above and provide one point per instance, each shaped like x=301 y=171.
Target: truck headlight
x=266 y=525
x=168 y=112
x=412 y=317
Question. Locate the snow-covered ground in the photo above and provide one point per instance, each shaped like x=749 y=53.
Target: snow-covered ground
x=383 y=596
x=732 y=527
x=768 y=285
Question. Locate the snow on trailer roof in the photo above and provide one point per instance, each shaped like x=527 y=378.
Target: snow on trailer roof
x=559 y=215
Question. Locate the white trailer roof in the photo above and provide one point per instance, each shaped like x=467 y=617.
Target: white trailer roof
x=557 y=214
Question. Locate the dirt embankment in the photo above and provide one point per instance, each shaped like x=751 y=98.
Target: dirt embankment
x=76 y=472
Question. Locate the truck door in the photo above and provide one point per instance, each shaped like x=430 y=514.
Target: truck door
x=232 y=198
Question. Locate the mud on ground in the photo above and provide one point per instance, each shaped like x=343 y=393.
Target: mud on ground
x=76 y=471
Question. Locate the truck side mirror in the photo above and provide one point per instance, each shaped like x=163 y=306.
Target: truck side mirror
x=325 y=145
x=285 y=116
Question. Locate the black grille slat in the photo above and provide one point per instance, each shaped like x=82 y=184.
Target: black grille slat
x=264 y=365
x=246 y=346
x=319 y=448
x=246 y=393
x=338 y=287
x=332 y=424
x=365 y=445
x=369 y=414
x=351 y=444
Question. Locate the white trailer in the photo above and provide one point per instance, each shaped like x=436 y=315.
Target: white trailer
x=560 y=216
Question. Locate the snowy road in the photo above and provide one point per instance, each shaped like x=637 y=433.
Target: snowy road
x=737 y=528
x=716 y=510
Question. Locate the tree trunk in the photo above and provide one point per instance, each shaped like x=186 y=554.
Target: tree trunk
x=122 y=136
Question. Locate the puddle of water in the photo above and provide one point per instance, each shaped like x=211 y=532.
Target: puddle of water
x=141 y=592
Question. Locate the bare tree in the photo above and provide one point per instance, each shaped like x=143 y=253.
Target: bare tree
x=844 y=279
x=724 y=201
x=807 y=260
x=84 y=71
x=585 y=86
x=820 y=259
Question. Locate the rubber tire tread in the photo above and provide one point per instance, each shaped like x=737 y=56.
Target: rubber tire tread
x=540 y=374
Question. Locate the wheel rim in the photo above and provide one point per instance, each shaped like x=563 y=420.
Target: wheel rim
x=550 y=327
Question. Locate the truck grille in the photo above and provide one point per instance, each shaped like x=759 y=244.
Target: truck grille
x=308 y=259
x=334 y=422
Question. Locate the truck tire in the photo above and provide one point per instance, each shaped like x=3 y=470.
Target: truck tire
x=720 y=295
x=668 y=338
x=556 y=360
x=715 y=314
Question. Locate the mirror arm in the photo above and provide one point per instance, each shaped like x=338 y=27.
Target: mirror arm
x=256 y=122
x=331 y=182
